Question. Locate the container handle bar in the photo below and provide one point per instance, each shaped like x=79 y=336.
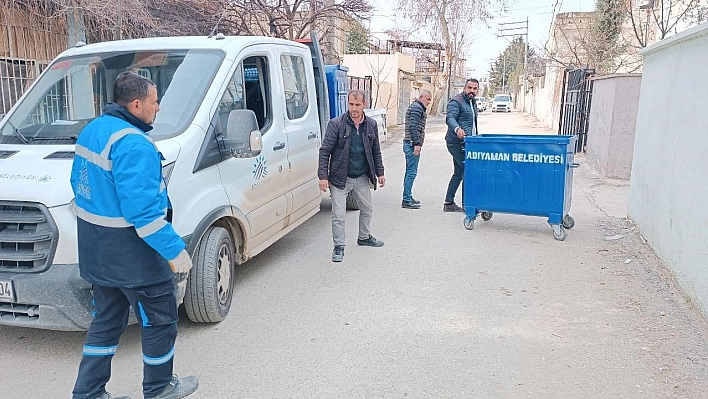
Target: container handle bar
x=574 y=165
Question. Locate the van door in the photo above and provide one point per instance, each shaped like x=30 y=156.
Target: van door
x=256 y=185
x=303 y=131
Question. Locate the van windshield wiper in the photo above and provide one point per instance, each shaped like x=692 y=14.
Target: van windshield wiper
x=53 y=138
x=18 y=133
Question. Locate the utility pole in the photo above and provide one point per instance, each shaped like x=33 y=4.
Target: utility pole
x=513 y=29
x=504 y=73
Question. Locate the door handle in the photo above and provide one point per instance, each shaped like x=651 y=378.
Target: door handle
x=278 y=146
x=312 y=136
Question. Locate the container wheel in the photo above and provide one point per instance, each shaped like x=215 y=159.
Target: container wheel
x=568 y=222
x=560 y=233
x=487 y=216
x=469 y=223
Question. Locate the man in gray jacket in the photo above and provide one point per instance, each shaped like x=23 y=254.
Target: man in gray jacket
x=350 y=162
x=414 y=135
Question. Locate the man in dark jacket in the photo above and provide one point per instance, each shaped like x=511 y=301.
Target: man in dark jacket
x=350 y=162
x=461 y=122
x=128 y=249
x=414 y=135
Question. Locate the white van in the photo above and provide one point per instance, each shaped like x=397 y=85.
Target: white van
x=239 y=127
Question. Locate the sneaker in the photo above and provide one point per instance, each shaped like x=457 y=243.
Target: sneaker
x=179 y=388
x=410 y=205
x=338 y=253
x=452 y=207
x=415 y=201
x=371 y=242
x=106 y=395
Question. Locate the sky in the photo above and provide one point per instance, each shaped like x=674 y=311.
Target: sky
x=487 y=46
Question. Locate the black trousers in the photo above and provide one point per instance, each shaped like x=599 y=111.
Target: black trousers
x=156 y=310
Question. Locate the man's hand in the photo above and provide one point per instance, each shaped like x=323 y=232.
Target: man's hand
x=460 y=133
x=324 y=185
x=382 y=181
x=182 y=264
x=416 y=151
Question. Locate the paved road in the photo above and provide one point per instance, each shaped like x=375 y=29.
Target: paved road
x=503 y=311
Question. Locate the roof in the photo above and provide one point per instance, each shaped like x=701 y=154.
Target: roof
x=228 y=44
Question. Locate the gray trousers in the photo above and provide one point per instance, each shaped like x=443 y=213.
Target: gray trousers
x=361 y=192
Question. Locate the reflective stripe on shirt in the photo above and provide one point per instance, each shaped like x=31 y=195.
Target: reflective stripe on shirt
x=99 y=220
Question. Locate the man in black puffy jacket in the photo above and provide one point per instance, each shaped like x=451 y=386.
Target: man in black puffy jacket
x=350 y=162
x=461 y=122
x=413 y=143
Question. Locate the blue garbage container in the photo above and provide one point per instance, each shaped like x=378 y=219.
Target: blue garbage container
x=520 y=174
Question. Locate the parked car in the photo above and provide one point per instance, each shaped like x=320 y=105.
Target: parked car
x=481 y=104
x=502 y=103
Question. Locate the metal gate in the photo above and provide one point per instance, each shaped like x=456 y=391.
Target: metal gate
x=575 y=105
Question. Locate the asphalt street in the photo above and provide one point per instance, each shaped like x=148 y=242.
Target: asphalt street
x=502 y=311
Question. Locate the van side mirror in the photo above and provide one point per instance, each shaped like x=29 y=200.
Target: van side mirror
x=243 y=138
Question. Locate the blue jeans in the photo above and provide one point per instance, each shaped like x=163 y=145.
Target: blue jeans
x=458 y=161
x=411 y=171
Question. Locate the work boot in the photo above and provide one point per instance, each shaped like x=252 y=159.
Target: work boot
x=371 y=242
x=179 y=388
x=452 y=207
x=338 y=253
x=106 y=395
x=410 y=205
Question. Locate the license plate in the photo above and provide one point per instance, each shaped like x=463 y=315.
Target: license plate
x=7 y=293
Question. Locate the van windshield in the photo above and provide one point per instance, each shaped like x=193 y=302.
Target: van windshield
x=74 y=90
x=501 y=99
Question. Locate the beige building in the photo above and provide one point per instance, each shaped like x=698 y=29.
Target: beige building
x=393 y=81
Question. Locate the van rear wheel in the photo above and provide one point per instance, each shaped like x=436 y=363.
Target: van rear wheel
x=211 y=280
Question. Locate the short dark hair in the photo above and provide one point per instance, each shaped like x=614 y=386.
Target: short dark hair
x=471 y=80
x=129 y=86
x=357 y=94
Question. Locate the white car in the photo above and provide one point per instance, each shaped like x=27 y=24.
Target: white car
x=481 y=104
x=502 y=103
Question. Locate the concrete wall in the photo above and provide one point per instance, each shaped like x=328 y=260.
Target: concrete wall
x=613 y=118
x=669 y=182
x=544 y=102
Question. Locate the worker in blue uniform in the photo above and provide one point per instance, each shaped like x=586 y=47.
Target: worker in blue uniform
x=128 y=249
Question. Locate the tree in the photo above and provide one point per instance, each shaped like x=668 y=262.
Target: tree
x=290 y=19
x=665 y=15
x=119 y=19
x=508 y=68
x=358 y=39
x=604 y=46
x=449 y=22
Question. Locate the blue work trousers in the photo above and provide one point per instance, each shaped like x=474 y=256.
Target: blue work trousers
x=156 y=310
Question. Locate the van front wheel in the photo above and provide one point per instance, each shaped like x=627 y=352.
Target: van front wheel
x=211 y=280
